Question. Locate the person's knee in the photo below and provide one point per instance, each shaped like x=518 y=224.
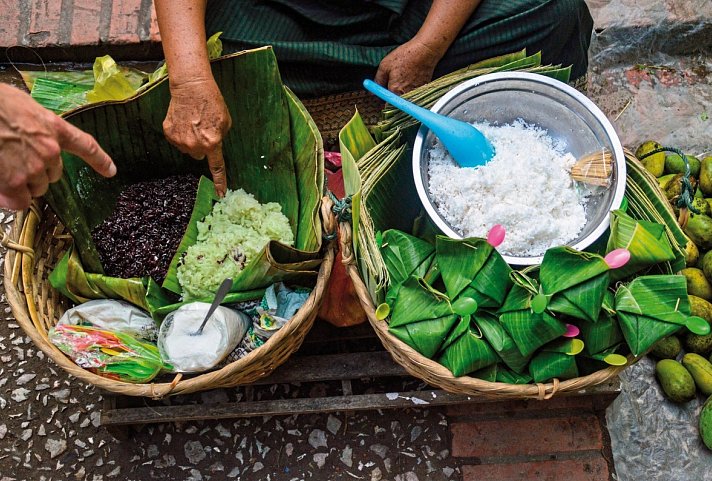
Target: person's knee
x=574 y=12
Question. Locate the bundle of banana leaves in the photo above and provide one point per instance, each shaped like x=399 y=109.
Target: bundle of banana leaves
x=272 y=137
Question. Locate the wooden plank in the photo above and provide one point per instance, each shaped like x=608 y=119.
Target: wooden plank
x=334 y=367
x=359 y=402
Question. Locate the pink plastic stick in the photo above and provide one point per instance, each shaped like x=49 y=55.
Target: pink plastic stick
x=617 y=258
x=571 y=331
x=496 y=235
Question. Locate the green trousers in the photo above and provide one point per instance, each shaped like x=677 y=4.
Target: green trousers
x=330 y=46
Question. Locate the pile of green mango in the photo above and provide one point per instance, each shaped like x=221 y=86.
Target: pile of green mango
x=684 y=364
x=669 y=168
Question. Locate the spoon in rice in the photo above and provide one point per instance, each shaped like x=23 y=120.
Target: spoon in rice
x=467 y=145
x=219 y=296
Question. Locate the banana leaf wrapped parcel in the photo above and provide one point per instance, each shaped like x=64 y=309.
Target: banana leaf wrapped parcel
x=466 y=349
x=556 y=360
x=574 y=282
x=529 y=328
x=422 y=317
x=651 y=308
x=647 y=243
x=473 y=268
x=405 y=256
x=604 y=334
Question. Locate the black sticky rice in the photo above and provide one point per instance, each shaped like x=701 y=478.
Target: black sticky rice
x=142 y=235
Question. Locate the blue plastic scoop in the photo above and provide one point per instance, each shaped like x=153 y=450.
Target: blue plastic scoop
x=467 y=145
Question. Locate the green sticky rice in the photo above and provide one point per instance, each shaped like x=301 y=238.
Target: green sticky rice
x=236 y=231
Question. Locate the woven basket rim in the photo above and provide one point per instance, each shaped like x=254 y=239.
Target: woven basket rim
x=23 y=304
x=436 y=374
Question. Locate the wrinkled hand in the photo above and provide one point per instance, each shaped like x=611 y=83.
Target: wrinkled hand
x=407 y=67
x=196 y=122
x=31 y=139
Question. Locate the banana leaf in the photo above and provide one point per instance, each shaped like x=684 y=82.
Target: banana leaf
x=651 y=308
x=500 y=340
x=260 y=152
x=69 y=278
x=548 y=365
x=473 y=268
x=601 y=335
x=466 y=350
x=530 y=330
x=574 y=282
x=511 y=377
x=646 y=201
x=647 y=243
x=405 y=256
x=590 y=363
x=422 y=317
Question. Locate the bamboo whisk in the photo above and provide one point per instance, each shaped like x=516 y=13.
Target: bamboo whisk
x=595 y=168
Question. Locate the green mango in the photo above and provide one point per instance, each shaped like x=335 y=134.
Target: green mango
x=677 y=383
x=701 y=345
x=706 y=176
x=674 y=187
x=665 y=180
x=667 y=348
x=707 y=265
x=692 y=254
x=701 y=205
x=699 y=229
x=697 y=283
x=655 y=164
x=706 y=423
x=700 y=308
x=675 y=165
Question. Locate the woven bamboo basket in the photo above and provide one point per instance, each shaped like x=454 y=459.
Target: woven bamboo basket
x=36 y=243
x=437 y=375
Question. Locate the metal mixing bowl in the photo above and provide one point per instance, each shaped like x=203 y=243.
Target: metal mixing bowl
x=566 y=114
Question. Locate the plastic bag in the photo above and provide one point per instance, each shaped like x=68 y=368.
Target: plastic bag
x=115 y=316
x=114 y=355
x=652 y=438
x=188 y=352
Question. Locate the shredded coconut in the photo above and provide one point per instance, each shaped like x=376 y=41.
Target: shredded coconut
x=526 y=188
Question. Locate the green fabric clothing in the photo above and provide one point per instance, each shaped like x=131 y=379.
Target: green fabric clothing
x=330 y=46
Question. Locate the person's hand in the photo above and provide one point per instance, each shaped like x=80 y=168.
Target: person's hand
x=196 y=122
x=407 y=67
x=31 y=139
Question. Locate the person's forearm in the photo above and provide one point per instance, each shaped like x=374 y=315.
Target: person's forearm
x=182 y=27
x=444 y=22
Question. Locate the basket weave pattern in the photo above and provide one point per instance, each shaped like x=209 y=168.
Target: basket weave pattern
x=37 y=242
x=437 y=375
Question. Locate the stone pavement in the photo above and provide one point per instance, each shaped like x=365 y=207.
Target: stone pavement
x=650 y=73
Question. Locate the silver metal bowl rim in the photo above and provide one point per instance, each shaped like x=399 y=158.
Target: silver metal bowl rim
x=542 y=79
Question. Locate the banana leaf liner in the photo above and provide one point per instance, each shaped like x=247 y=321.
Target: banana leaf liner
x=272 y=137
x=646 y=241
x=574 y=282
x=651 y=308
x=422 y=317
x=473 y=268
x=405 y=256
x=556 y=360
x=529 y=329
x=488 y=373
x=466 y=350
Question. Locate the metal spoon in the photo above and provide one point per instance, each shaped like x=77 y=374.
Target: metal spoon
x=467 y=145
x=219 y=296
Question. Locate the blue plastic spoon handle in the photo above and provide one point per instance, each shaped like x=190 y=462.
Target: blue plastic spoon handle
x=432 y=120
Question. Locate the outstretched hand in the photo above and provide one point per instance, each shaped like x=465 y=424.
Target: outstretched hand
x=196 y=122
x=407 y=67
x=31 y=139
